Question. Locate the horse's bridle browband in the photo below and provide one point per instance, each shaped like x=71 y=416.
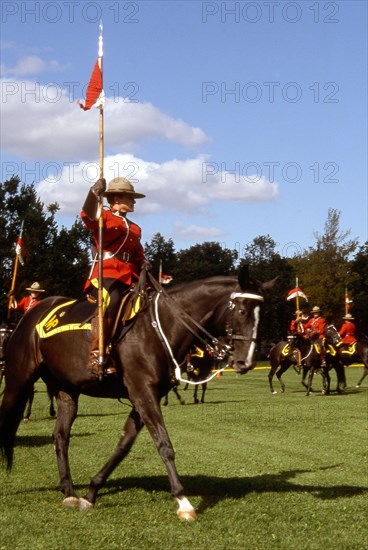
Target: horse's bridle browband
x=249 y=295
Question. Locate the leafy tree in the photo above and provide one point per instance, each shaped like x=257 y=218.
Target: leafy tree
x=265 y=264
x=357 y=284
x=204 y=260
x=160 y=250
x=323 y=268
x=57 y=260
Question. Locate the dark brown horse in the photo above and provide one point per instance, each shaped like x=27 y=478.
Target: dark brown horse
x=281 y=359
x=145 y=357
x=346 y=355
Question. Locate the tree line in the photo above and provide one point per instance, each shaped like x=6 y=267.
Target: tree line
x=59 y=258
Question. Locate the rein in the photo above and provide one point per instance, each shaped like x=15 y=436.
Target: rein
x=218 y=353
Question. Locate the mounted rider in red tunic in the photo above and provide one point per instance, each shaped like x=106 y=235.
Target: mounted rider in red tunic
x=315 y=331
x=27 y=302
x=347 y=331
x=122 y=256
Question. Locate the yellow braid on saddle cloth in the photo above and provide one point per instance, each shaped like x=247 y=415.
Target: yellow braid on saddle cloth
x=62 y=318
x=330 y=349
x=316 y=347
x=350 y=350
x=198 y=352
x=286 y=350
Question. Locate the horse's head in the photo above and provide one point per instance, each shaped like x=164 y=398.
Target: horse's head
x=332 y=335
x=244 y=314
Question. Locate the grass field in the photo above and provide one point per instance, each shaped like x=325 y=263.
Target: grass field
x=264 y=471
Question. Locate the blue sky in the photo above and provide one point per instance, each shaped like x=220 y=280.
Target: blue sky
x=237 y=119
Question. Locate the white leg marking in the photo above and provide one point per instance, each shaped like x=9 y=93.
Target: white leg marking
x=185 y=510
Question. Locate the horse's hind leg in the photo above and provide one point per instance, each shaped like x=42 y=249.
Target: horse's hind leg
x=365 y=373
x=28 y=411
x=67 y=411
x=11 y=413
x=132 y=428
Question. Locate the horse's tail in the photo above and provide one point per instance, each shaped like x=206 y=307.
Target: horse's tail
x=11 y=414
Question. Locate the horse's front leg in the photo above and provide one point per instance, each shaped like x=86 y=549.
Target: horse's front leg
x=132 y=428
x=152 y=417
x=270 y=378
x=310 y=380
x=326 y=381
x=67 y=411
x=204 y=387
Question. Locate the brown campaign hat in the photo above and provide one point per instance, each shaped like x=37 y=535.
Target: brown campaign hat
x=122 y=186
x=348 y=317
x=35 y=287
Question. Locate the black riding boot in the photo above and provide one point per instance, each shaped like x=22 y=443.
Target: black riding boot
x=107 y=367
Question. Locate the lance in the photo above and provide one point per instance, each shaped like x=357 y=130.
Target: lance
x=297 y=294
x=18 y=253
x=347 y=301
x=160 y=273
x=101 y=351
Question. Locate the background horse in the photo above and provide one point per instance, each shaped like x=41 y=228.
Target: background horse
x=346 y=356
x=310 y=361
x=197 y=366
x=145 y=357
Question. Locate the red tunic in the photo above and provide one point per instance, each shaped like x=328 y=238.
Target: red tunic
x=347 y=333
x=120 y=237
x=316 y=326
x=27 y=302
x=296 y=326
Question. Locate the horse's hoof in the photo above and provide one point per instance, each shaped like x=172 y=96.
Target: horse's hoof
x=189 y=515
x=357 y=386
x=71 y=501
x=85 y=504
x=274 y=392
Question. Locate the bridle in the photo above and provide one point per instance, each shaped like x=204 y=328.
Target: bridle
x=231 y=306
x=218 y=349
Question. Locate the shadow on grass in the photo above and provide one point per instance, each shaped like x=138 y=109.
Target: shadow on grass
x=213 y=489
x=42 y=440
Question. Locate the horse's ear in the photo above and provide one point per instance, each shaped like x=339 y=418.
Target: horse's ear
x=269 y=284
x=243 y=276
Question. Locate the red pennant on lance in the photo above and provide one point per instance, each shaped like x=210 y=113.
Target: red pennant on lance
x=19 y=250
x=166 y=279
x=94 y=88
x=293 y=293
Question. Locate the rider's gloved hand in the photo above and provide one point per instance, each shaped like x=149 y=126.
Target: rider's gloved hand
x=99 y=187
x=146 y=265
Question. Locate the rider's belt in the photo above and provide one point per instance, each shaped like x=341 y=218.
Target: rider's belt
x=123 y=256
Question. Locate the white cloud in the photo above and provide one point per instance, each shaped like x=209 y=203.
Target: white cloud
x=175 y=185
x=198 y=233
x=53 y=127
x=29 y=65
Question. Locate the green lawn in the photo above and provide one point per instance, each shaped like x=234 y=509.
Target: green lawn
x=264 y=471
